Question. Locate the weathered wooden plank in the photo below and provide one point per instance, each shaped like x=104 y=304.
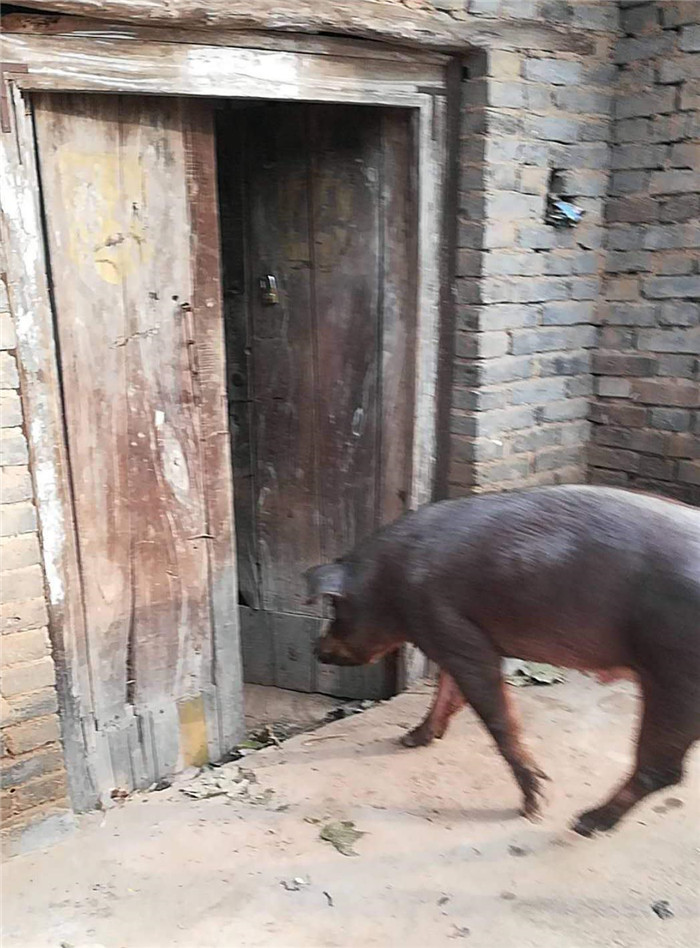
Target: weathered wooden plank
x=257 y=647
x=430 y=132
x=398 y=318
x=230 y=134
x=78 y=145
x=139 y=319
x=168 y=607
x=371 y=682
x=24 y=265
x=431 y=138
x=345 y=223
x=72 y=63
x=363 y=18
x=293 y=637
x=160 y=729
x=316 y=45
x=214 y=436
x=284 y=390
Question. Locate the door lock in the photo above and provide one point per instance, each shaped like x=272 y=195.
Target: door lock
x=269 y=294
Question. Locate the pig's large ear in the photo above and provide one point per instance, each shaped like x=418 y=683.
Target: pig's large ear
x=328 y=580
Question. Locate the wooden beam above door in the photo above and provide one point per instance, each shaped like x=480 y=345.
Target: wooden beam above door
x=364 y=19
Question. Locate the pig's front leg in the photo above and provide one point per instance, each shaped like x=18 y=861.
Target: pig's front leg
x=475 y=667
x=447 y=701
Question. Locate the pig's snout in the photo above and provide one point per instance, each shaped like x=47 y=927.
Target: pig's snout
x=331 y=651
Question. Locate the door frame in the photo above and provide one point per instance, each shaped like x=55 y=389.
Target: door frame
x=122 y=59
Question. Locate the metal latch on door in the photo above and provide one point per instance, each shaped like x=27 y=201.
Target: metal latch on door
x=269 y=294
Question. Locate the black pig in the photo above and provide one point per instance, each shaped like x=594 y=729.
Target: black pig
x=584 y=577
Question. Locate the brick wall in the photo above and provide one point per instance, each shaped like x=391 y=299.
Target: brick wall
x=33 y=776
x=646 y=414
x=527 y=293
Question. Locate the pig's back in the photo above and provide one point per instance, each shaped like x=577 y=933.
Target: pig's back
x=578 y=561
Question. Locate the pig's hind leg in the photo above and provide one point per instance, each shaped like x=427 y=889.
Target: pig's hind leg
x=470 y=658
x=666 y=648
x=668 y=730
x=447 y=701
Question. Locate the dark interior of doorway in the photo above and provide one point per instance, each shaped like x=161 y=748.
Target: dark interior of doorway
x=318 y=225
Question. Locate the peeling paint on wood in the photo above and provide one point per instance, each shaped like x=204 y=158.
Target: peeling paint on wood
x=369 y=19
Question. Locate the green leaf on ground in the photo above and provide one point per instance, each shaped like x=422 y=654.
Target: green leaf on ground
x=342 y=835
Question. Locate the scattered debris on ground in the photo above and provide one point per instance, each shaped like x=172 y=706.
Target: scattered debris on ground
x=343 y=835
x=347 y=710
x=521 y=673
x=518 y=851
x=234 y=783
x=294 y=885
x=662 y=908
x=459 y=931
x=276 y=733
x=329 y=899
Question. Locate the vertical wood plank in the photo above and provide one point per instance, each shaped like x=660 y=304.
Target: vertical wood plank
x=25 y=266
x=257 y=647
x=283 y=371
x=399 y=265
x=214 y=436
x=230 y=135
x=169 y=651
x=89 y=243
x=430 y=130
x=345 y=223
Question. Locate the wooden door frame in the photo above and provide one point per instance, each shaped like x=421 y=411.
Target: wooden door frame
x=132 y=60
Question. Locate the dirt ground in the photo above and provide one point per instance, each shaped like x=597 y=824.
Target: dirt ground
x=444 y=860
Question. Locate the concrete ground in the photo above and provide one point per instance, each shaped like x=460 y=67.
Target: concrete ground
x=445 y=859
x=264 y=706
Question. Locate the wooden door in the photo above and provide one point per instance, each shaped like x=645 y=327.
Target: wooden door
x=320 y=199
x=129 y=192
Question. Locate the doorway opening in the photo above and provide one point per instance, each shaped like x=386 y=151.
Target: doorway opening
x=319 y=260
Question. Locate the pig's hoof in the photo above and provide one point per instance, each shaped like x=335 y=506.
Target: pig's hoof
x=533 y=793
x=531 y=810
x=595 y=821
x=418 y=737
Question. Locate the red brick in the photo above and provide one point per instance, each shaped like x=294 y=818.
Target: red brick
x=663 y=469
x=17 y=518
x=50 y=789
x=10 y=409
x=613 y=363
x=678 y=393
x=19 y=770
x=36 y=704
x=689 y=472
x=7 y=332
x=29 y=614
x=19 y=679
x=19 y=552
x=31 y=734
x=648 y=442
x=27 y=646
x=25 y=583
x=16 y=484
x=619 y=413
x=13 y=451
x=613 y=458
x=683 y=446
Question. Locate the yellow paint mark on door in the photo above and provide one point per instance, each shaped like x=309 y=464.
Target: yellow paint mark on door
x=105 y=191
x=193 y=732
